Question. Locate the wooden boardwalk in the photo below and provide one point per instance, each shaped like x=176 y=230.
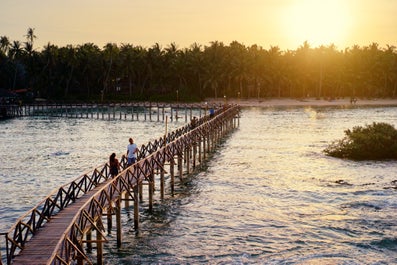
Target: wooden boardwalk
x=147 y=111
x=40 y=248
x=59 y=229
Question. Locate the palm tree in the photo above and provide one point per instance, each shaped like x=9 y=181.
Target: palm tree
x=154 y=62
x=30 y=37
x=258 y=67
x=390 y=69
x=239 y=64
x=275 y=62
x=303 y=55
x=69 y=58
x=214 y=56
x=110 y=54
x=195 y=67
x=172 y=67
x=178 y=71
x=89 y=63
x=4 y=45
x=15 y=55
x=127 y=55
x=49 y=57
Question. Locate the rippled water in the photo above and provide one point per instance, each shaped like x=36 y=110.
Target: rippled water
x=267 y=196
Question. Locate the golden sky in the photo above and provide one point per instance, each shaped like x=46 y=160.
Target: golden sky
x=283 y=23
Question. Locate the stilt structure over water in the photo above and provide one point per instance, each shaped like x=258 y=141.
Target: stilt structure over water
x=10 y=111
x=145 y=111
x=61 y=228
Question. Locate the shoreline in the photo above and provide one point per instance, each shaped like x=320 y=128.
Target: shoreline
x=307 y=102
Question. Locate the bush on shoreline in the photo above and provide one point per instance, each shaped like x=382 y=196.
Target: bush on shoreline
x=372 y=142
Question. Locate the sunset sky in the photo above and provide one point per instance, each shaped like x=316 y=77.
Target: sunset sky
x=283 y=23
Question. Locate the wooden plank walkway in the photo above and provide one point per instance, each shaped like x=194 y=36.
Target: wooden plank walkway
x=39 y=250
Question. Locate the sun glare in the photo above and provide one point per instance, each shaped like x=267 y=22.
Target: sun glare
x=320 y=22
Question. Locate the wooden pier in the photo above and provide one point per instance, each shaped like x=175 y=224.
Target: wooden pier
x=66 y=224
x=144 y=111
x=8 y=111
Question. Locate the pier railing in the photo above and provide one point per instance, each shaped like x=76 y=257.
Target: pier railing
x=181 y=143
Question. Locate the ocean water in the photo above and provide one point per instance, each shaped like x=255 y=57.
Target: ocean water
x=267 y=195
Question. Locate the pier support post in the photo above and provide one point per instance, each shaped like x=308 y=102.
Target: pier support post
x=89 y=241
x=136 y=208
x=180 y=166
x=150 y=111
x=126 y=200
x=209 y=142
x=162 y=183
x=99 y=251
x=194 y=155
x=199 y=151
x=187 y=158
x=204 y=149
x=109 y=218
x=140 y=188
x=151 y=190
x=172 y=168
x=118 y=221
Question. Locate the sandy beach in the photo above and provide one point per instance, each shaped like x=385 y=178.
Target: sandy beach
x=307 y=102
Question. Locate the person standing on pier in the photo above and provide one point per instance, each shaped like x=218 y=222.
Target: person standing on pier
x=193 y=122
x=212 y=112
x=132 y=149
x=114 y=165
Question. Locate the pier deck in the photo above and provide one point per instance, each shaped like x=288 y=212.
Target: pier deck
x=40 y=248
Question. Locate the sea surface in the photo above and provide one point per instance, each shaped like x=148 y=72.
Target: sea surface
x=267 y=195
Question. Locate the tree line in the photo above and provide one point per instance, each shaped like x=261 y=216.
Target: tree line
x=133 y=72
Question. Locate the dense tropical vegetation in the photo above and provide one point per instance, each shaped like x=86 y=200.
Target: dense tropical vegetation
x=128 y=72
x=372 y=142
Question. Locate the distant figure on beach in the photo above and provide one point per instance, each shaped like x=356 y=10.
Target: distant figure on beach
x=353 y=100
x=114 y=165
x=212 y=112
x=132 y=149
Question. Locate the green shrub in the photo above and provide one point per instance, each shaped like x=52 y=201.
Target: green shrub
x=373 y=142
